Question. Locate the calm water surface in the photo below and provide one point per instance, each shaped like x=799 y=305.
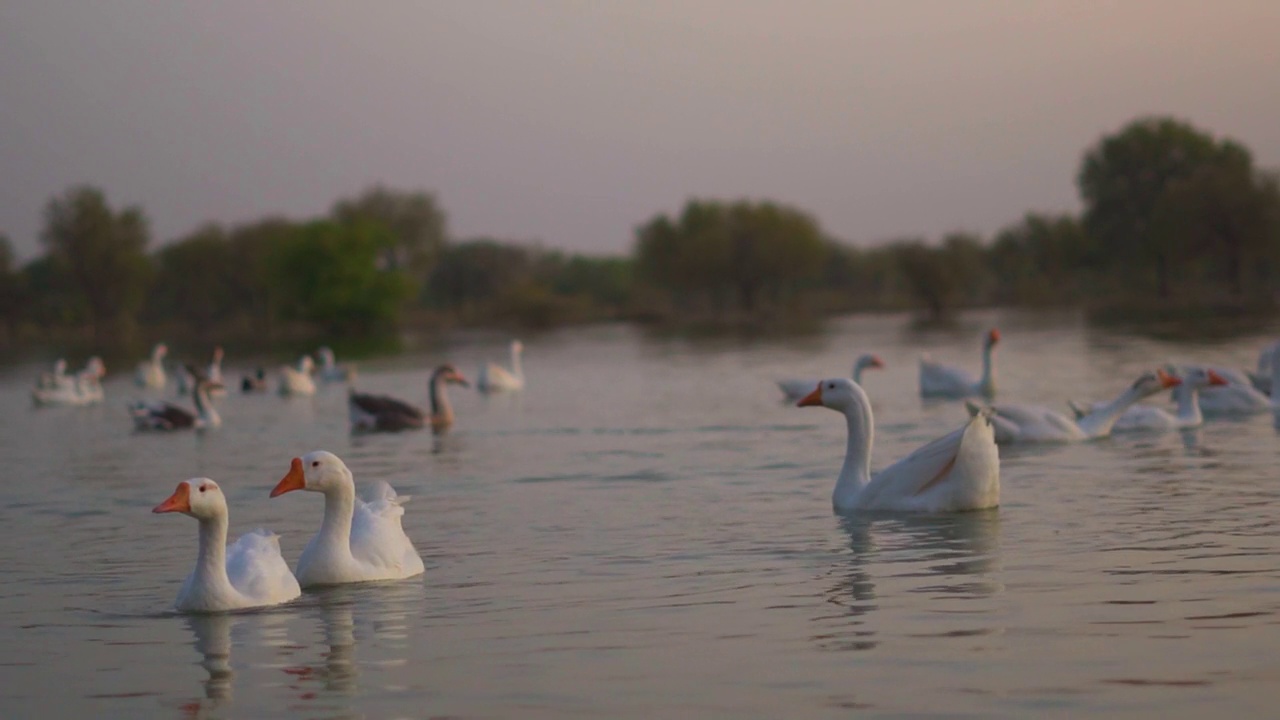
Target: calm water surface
x=647 y=532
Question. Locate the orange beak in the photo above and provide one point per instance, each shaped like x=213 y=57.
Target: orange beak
x=293 y=480
x=458 y=378
x=813 y=398
x=993 y=337
x=179 y=501
x=875 y=362
x=1216 y=379
x=1166 y=380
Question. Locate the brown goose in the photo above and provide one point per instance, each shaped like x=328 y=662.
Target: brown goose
x=382 y=413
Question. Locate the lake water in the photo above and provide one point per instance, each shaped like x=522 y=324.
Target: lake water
x=646 y=532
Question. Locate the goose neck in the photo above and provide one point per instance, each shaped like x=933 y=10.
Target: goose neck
x=1188 y=404
x=339 y=507
x=856 y=472
x=439 y=397
x=987 y=384
x=211 y=564
x=1099 y=422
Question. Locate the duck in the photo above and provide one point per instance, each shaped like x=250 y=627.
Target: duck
x=382 y=413
x=1033 y=423
x=150 y=372
x=165 y=416
x=331 y=371
x=957 y=472
x=793 y=389
x=250 y=573
x=1150 y=417
x=360 y=540
x=83 y=388
x=492 y=377
x=945 y=381
x=297 y=381
x=255 y=383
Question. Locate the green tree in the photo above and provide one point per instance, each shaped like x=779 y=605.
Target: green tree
x=103 y=253
x=197 y=280
x=1042 y=260
x=473 y=273
x=928 y=276
x=11 y=288
x=1123 y=178
x=750 y=251
x=330 y=274
x=415 y=220
x=1224 y=218
x=253 y=249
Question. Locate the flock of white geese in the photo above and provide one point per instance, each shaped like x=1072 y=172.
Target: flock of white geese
x=361 y=538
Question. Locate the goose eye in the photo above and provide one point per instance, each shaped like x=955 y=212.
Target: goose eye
x=203 y=488
x=315 y=463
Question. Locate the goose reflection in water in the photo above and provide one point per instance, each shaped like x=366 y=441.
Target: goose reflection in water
x=946 y=557
x=384 y=620
x=213 y=642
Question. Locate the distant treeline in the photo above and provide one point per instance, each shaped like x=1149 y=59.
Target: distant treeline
x=1172 y=217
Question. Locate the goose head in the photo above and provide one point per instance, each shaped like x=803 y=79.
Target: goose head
x=317 y=471
x=868 y=361
x=217 y=354
x=1150 y=383
x=326 y=356
x=96 y=367
x=839 y=394
x=517 y=347
x=993 y=337
x=449 y=374
x=201 y=498
x=306 y=365
x=159 y=351
x=1201 y=377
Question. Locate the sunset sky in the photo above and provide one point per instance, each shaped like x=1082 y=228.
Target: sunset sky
x=571 y=122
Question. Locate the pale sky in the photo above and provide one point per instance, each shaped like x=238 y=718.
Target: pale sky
x=571 y=122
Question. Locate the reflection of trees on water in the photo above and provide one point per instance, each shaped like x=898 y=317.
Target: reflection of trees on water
x=959 y=553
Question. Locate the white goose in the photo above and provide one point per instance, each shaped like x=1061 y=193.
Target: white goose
x=958 y=471
x=297 y=381
x=360 y=540
x=150 y=372
x=796 y=389
x=944 y=381
x=250 y=573
x=1033 y=423
x=55 y=378
x=331 y=371
x=84 y=388
x=1150 y=417
x=1240 y=396
x=492 y=377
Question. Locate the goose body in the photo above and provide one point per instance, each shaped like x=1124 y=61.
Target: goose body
x=492 y=377
x=1034 y=423
x=945 y=381
x=55 y=378
x=331 y=371
x=958 y=471
x=383 y=413
x=298 y=381
x=84 y=388
x=249 y=573
x=1151 y=417
x=150 y=373
x=795 y=389
x=163 y=416
x=360 y=539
